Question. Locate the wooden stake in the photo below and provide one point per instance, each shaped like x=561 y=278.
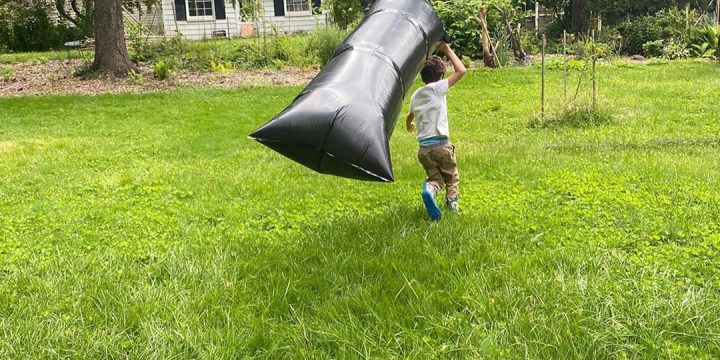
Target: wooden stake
x=537 y=17
x=542 y=89
x=565 y=66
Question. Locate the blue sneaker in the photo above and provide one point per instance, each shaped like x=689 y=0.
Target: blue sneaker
x=431 y=206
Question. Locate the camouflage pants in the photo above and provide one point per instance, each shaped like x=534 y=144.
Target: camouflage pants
x=441 y=169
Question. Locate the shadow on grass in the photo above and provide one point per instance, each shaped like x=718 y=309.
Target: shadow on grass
x=384 y=285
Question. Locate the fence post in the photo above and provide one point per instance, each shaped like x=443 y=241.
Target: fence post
x=537 y=16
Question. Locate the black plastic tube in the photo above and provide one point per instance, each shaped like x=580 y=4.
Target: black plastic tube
x=342 y=122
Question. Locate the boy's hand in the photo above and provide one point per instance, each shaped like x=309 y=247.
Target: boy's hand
x=444 y=47
x=409 y=122
x=411 y=127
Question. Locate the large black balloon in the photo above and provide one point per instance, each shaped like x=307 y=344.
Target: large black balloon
x=342 y=122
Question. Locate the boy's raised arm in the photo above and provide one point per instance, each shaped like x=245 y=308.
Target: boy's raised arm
x=460 y=69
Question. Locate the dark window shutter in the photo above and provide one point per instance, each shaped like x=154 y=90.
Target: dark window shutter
x=316 y=4
x=180 y=13
x=220 y=9
x=279 y=7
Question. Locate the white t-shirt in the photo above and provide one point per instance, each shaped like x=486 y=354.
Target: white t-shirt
x=429 y=104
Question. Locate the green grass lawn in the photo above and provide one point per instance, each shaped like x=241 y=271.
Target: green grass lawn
x=149 y=227
x=45 y=56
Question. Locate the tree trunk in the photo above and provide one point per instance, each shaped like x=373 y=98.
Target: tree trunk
x=489 y=57
x=514 y=34
x=111 y=54
x=579 y=16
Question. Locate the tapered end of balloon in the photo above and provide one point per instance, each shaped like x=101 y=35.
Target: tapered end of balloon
x=330 y=138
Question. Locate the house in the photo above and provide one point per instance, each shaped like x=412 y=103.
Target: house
x=202 y=19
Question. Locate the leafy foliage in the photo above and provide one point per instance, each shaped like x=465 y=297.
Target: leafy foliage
x=30 y=28
x=6 y=74
x=653 y=48
x=323 y=42
x=345 y=13
x=161 y=70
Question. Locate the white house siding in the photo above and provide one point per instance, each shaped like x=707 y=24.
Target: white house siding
x=289 y=23
x=197 y=30
x=285 y=24
x=151 y=20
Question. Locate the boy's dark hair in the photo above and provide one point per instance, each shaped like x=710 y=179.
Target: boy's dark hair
x=433 y=70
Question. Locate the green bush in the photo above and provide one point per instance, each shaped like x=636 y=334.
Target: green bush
x=31 y=28
x=665 y=25
x=323 y=42
x=675 y=51
x=458 y=16
x=653 y=48
x=292 y=50
x=161 y=70
x=136 y=78
x=639 y=32
x=6 y=73
x=704 y=41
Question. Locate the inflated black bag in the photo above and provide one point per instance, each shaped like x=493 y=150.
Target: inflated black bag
x=342 y=122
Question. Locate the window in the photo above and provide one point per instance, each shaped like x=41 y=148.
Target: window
x=297 y=6
x=200 y=9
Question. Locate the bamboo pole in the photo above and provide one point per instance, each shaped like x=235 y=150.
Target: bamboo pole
x=542 y=76
x=565 y=66
x=594 y=77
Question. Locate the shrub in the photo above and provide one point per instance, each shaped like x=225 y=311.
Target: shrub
x=138 y=47
x=458 y=16
x=639 y=32
x=293 y=50
x=530 y=44
x=675 y=51
x=85 y=71
x=221 y=67
x=136 y=78
x=6 y=73
x=653 y=48
x=666 y=25
x=30 y=28
x=575 y=116
x=161 y=70
x=248 y=55
x=705 y=41
x=323 y=42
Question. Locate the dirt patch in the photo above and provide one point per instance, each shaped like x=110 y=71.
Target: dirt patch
x=56 y=78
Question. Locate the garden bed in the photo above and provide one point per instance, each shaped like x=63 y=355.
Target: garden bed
x=56 y=77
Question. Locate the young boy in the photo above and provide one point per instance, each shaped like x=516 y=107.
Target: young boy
x=437 y=155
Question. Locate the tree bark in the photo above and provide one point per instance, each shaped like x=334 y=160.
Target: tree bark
x=579 y=15
x=515 y=42
x=489 y=56
x=111 y=54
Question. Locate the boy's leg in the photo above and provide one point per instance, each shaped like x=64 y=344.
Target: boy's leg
x=434 y=178
x=447 y=165
x=432 y=185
